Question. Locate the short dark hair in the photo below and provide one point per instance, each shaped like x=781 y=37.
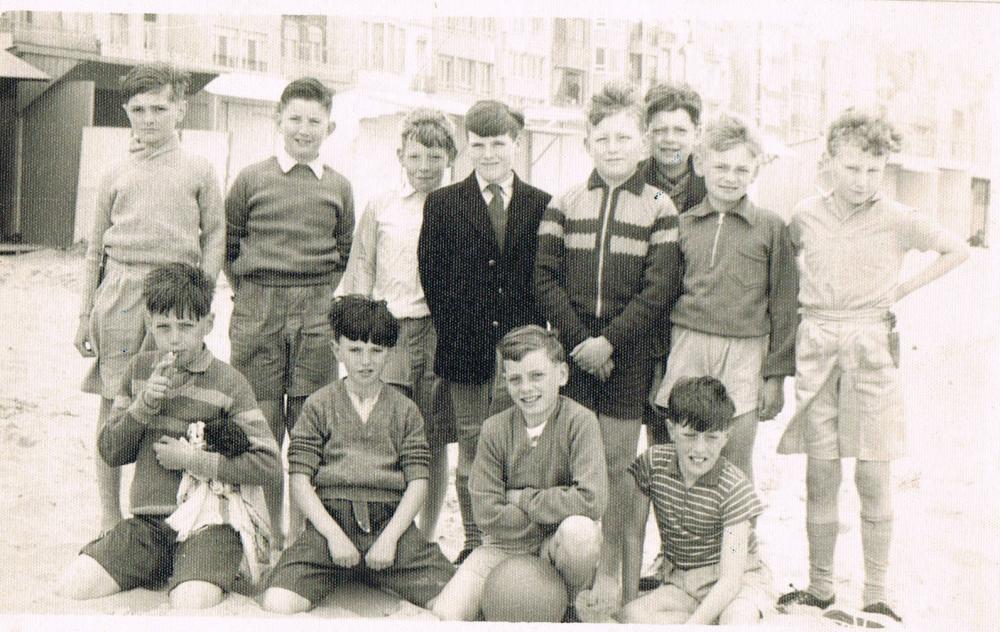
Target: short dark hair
x=307 y=89
x=180 y=289
x=870 y=132
x=700 y=403
x=430 y=128
x=493 y=118
x=360 y=318
x=523 y=340
x=153 y=77
x=614 y=97
x=667 y=97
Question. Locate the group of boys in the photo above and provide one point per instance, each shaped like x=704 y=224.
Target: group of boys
x=536 y=332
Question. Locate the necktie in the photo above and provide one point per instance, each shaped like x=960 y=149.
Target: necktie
x=498 y=216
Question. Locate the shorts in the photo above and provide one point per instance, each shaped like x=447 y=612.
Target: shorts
x=410 y=365
x=280 y=338
x=736 y=362
x=848 y=394
x=143 y=551
x=623 y=395
x=117 y=326
x=697 y=582
x=419 y=573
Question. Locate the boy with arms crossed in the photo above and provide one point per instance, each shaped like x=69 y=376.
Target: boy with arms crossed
x=539 y=482
x=358 y=468
x=383 y=266
x=162 y=393
x=289 y=221
x=161 y=205
x=850 y=244
x=607 y=268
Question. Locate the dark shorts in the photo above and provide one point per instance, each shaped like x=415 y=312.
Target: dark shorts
x=419 y=573
x=144 y=552
x=623 y=395
x=280 y=338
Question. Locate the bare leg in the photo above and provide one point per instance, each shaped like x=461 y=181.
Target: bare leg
x=85 y=578
x=195 y=595
x=437 y=487
x=665 y=605
x=296 y=520
x=575 y=550
x=284 y=601
x=739 y=448
x=273 y=410
x=109 y=479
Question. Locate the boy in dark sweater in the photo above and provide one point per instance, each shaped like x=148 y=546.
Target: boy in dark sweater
x=358 y=463
x=288 y=236
x=162 y=393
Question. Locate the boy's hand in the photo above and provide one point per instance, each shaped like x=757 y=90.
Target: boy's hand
x=82 y=338
x=604 y=596
x=382 y=554
x=159 y=381
x=343 y=552
x=605 y=371
x=172 y=453
x=592 y=353
x=514 y=496
x=771 y=398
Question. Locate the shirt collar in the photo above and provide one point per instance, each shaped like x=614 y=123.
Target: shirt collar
x=744 y=209
x=406 y=190
x=634 y=184
x=506 y=185
x=286 y=162
x=200 y=362
x=832 y=204
x=174 y=142
x=555 y=413
x=708 y=479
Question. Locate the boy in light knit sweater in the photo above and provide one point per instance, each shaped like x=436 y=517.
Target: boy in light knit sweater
x=289 y=221
x=160 y=205
x=358 y=468
x=539 y=482
x=162 y=394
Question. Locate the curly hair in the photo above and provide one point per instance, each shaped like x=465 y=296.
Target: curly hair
x=667 y=97
x=727 y=131
x=700 y=403
x=430 y=128
x=613 y=98
x=871 y=133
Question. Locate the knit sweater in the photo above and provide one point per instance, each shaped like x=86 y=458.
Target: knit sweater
x=608 y=263
x=348 y=459
x=288 y=228
x=564 y=474
x=206 y=389
x=156 y=207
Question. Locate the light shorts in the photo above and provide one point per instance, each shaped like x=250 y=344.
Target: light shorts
x=280 y=338
x=117 y=326
x=756 y=586
x=848 y=395
x=736 y=362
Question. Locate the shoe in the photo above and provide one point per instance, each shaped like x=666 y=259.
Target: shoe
x=464 y=553
x=882 y=608
x=846 y=619
x=803 y=598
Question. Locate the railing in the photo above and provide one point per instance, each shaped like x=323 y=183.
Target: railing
x=50 y=37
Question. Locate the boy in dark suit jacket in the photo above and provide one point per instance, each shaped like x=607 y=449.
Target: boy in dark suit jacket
x=476 y=255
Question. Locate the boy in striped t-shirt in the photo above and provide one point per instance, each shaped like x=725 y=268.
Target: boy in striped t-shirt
x=705 y=509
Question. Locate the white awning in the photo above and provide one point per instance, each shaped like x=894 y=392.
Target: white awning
x=245 y=85
x=13 y=67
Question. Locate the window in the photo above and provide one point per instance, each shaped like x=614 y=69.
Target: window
x=119 y=29
x=446 y=71
x=463 y=74
x=251 y=58
x=222 y=51
x=317 y=47
x=149 y=18
x=599 y=58
x=400 y=50
x=536 y=24
x=378 y=47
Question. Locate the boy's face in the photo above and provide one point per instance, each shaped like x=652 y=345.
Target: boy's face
x=616 y=146
x=304 y=125
x=183 y=335
x=727 y=174
x=424 y=165
x=672 y=136
x=364 y=361
x=154 y=115
x=856 y=174
x=533 y=383
x=492 y=156
x=697 y=452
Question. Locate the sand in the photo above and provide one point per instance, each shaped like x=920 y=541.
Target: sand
x=945 y=558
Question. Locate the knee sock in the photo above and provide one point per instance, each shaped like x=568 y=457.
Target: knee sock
x=473 y=537
x=875 y=539
x=822 y=542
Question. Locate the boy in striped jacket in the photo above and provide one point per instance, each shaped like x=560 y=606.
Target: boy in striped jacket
x=606 y=270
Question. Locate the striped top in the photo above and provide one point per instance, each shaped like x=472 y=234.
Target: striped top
x=691 y=520
x=206 y=389
x=609 y=257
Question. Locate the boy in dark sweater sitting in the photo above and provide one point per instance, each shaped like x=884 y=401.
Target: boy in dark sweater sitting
x=162 y=394
x=358 y=467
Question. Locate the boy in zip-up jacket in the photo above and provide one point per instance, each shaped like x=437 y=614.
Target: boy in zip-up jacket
x=607 y=268
x=735 y=319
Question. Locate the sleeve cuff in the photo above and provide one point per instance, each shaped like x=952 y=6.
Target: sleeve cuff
x=414 y=472
x=301 y=468
x=140 y=411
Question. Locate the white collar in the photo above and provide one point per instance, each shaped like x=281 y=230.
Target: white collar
x=407 y=189
x=286 y=163
x=506 y=185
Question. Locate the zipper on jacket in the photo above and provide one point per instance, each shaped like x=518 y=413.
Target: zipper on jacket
x=715 y=242
x=600 y=251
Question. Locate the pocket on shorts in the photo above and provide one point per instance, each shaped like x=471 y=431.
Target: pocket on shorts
x=871 y=348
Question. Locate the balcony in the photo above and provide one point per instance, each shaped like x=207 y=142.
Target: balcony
x=48 y=37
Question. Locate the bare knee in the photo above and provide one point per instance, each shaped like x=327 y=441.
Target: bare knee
x=578 y=537
x=195 y=595
x=740 y=612
x=85 y=578
x=283 y=601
